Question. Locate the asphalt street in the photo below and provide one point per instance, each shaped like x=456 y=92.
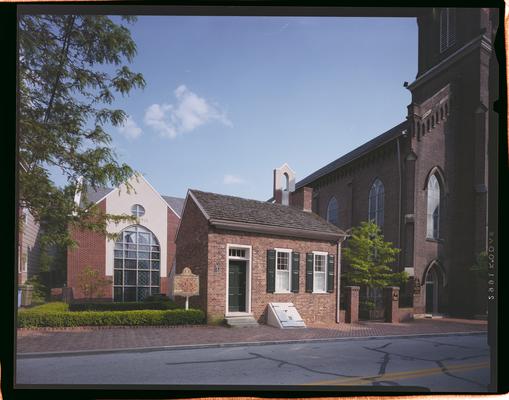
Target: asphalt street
x=453 y=363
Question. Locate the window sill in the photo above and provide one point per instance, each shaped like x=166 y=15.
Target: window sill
x=286 y=292
x=320 y=292
x=434 y=240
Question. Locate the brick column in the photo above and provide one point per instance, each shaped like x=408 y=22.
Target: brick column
x=391 y=297
x=352 y=304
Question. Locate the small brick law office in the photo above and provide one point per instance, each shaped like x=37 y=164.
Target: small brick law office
x=249 y=253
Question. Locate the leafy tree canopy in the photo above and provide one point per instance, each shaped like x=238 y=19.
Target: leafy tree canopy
x=70 y=69
x=369 y=258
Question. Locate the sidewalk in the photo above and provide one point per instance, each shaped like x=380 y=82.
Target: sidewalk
x=113 y=338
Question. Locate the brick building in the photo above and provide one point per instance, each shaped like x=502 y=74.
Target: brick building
x=249 y=253
x=139 y=261
x=425 y=181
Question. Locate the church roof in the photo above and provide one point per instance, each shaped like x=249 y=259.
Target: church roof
x=354 y=154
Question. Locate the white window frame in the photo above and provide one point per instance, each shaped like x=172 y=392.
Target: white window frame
x=276 y=280
x=248 y=259
x=25 y=264
x=326 y=266
x=138 y=210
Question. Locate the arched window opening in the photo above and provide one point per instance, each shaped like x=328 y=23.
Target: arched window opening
x=286 y=182
x=441 y=113
x=433 y=210
x=136 y=265
x=138 y=210
x=376 y=203
x=333 y=211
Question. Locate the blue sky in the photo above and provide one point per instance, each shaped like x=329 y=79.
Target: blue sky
x=228 y=99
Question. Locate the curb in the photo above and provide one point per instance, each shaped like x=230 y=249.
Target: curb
x=233 y=344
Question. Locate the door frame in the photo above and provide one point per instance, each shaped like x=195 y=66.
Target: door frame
x=247 y=259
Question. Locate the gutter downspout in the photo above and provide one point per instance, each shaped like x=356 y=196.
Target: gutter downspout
x=399 y=197
x=338 y=280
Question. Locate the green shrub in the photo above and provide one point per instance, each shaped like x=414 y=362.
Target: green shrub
x=122 y=306
x=31 y=318
x=50 y=307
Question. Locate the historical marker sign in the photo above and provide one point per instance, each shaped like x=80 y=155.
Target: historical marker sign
x=186 y=284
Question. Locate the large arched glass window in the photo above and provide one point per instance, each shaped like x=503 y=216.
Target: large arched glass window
x=136 y=265
x=376 y=203
x=433 y=215
x=332 y=211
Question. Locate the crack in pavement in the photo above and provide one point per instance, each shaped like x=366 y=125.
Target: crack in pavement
x=283 y=362
x=439 y=362
x=438 y=344
x=449 y=373
x=212 y=361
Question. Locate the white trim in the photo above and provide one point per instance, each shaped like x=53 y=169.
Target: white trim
x=326 y=270
x=289 y=252
x=338 y=278
x=248 y=260
x=190 y=193
x=136 y=175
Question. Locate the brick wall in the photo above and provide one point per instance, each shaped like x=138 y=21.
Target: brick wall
x=173 y=223
x=313 y=307
x=91 y=251
x=191 y=250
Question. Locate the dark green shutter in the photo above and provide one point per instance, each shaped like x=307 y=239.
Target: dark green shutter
x=271 y=271
x=309 y=272
x=295 y=272
x=330 y=273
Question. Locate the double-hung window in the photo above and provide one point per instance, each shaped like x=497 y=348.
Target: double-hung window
x=319 y=272
x=283 y=270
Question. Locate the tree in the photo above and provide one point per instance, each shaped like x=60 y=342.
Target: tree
x=91 y=283
x=70 y=68
x=369 y=258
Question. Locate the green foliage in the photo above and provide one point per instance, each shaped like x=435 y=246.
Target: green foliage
x=122 y=306
x=54 y=306
x=40 y=292
x=369 y=258
x=33 y=318
x=92 y=283
x=70 y=69
x=480 y=268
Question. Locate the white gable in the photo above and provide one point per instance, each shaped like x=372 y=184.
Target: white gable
x=155 y=219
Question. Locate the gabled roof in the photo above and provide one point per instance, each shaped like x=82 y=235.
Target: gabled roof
x=356 y=153
x=95 y=195
x=176 y=203
x=246 y=214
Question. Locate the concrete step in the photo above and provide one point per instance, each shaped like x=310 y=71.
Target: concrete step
x=241 y=321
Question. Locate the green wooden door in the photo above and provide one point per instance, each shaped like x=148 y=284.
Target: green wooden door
x=237 y=286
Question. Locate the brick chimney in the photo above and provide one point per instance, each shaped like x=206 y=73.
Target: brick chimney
x=302 y=198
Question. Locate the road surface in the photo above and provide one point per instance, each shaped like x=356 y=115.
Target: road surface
x=455 y=363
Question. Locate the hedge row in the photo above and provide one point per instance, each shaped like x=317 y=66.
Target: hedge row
x=122 y=306
x=33 y=318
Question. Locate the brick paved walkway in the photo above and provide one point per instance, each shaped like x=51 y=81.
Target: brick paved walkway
x=91 y=338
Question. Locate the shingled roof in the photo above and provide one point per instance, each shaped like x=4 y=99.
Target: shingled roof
x=356 y=153
x=248 y=212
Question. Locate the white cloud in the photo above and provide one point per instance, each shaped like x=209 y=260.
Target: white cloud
x=232 y=180
x=130 y=128
x=190 y=112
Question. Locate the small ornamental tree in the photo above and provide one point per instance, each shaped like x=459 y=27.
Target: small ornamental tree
x=91 y=283
x=369 y=258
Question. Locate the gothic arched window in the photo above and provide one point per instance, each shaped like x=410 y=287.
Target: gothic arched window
x=136 y=264
x=333 y=211
x=433 y=214
x=376 y=203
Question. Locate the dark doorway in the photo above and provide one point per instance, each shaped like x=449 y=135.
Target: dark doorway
x=237 y=286
x=432 y=285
